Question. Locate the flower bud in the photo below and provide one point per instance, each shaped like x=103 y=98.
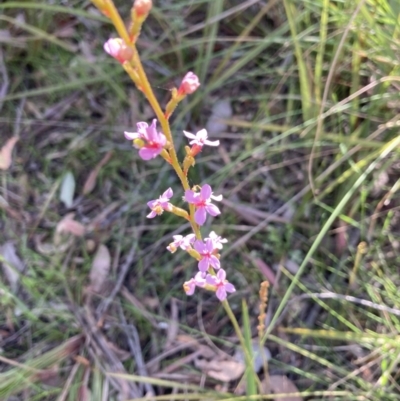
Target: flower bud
x=118 y=49
x=142 y=7
x=190 y=83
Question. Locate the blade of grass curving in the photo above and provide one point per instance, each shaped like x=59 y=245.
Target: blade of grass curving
x=78 y=83
x=251 y=386
x=386 y=149
x=214 y=9
x=319 y=60
x=39 y=34
x=241 y=37
x=305 y=84
x=374 y=339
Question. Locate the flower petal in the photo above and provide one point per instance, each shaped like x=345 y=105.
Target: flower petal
x=148 y=153
x=229 y=287
x=198 y=246
x=190 y=196
x=212 y=209
x=189 y=287
x=151 y=215
x=216 y=197
x=221 y=293
x=200 y=216
x=130 y=136
x=214 y=262
x=206 y=192
x=152 y=132
x=211 y=143
x=221 y=275
x=168 y=193
x=189 y=135
x=203 y=265
x=212 y=280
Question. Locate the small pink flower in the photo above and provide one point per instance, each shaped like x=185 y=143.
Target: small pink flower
x=197 y=281
x=154 y=141
x=157 y=206
x=206 y=249
x=118 y=49
x=200 y=139
x=189 y=84
x=142 y=7
x=181 y=241
x=217 y=240
x=202 y=202
x=222 y=285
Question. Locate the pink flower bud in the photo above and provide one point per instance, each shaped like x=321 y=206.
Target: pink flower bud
x=118 y=49
x=142 y=7
x=190 y=83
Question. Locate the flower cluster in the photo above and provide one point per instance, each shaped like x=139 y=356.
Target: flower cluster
x=151 y=142
x=208 y=261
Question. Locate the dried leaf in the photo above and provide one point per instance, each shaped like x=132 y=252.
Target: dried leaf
x=70 y=226
x=266 y=270
x=67 y=189
x=224 y=371
x=6 y=153
x=91 y=180
x=100 y=268
x=173 y=327
x=12 y=264
x=280 y=384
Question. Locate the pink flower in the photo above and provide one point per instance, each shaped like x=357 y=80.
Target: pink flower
x=181 y=241
x=221 y=284
x=118 y=49
x=189 y=84
x=206 y=249
x=157 y=206
x=202 y=202
x=142 y=7
x=217 y=240
x=200 y=139
x=154 y=141
x=197 y=281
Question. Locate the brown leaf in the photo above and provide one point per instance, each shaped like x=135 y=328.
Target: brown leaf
x=91 y=180
x=280 y=384
x=268 y=273
x=100 y=268
x=70 y=226
x=224 y=371
x=6 y=153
